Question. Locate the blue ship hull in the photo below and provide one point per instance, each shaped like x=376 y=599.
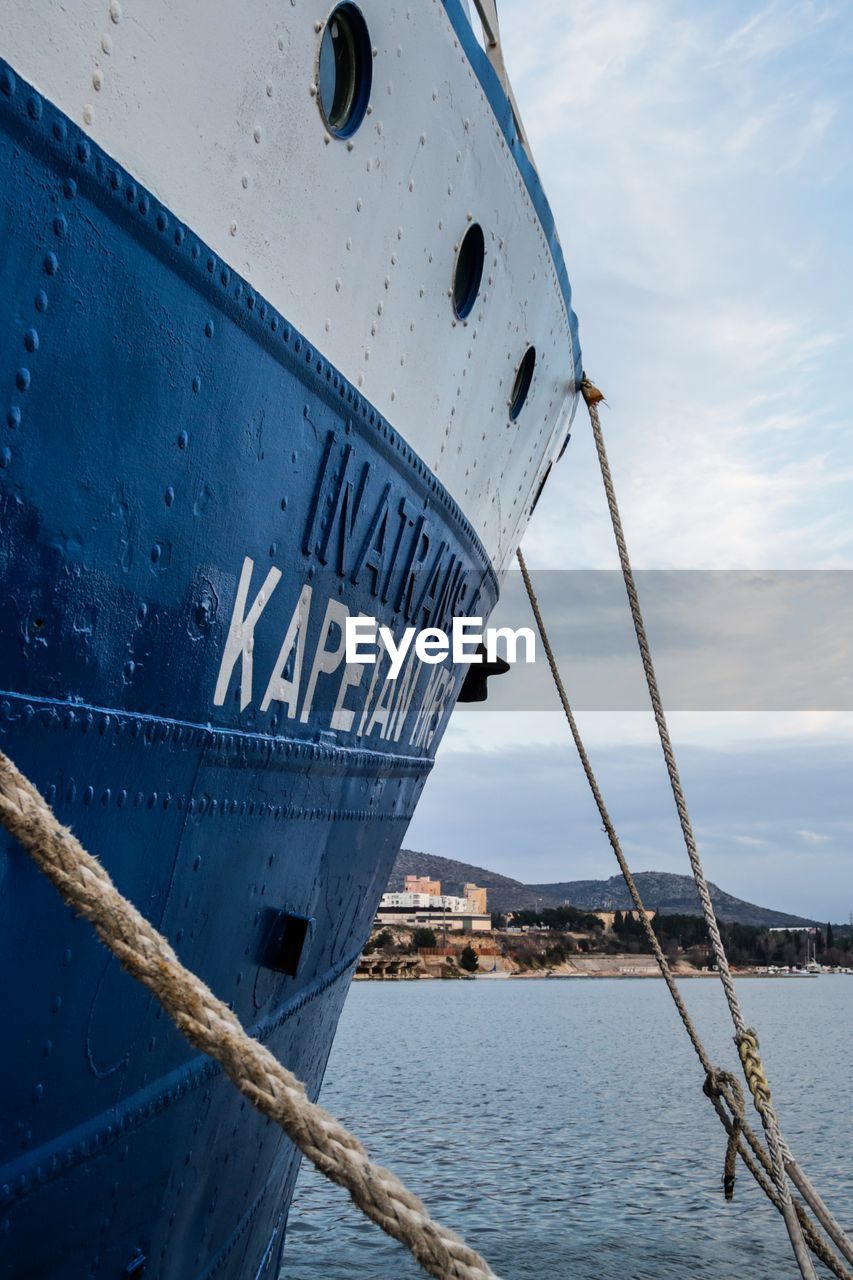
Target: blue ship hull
x=175 y=458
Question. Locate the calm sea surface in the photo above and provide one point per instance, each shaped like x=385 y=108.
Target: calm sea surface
x=560 y=1126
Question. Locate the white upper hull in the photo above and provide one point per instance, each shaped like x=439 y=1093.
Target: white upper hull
x=212 y=105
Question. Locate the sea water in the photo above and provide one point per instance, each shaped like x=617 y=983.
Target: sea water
x=561 y=1128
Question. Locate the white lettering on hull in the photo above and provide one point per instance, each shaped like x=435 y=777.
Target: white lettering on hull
x=241 y=634
x=345 y=645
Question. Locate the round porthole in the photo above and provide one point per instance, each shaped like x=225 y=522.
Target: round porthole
x=345 y=70
x=468 y=271
x=521 y=385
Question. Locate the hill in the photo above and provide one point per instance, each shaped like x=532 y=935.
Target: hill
x=668 y=893
x=661 y=891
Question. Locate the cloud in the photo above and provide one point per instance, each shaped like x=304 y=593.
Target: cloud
x=775 y=28
x=681 y=148
x=722 y=640
x=813 y=837
x=526 y=811
x=480 y=730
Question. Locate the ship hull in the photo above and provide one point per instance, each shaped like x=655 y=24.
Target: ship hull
x=186 y=486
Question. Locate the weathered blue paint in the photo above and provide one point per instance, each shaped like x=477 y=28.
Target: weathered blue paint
x=161 y=423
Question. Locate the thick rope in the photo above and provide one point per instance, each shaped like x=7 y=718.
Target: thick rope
x=210 y=1026
x=745 y=1038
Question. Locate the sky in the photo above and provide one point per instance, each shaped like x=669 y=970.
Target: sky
x=698 y=161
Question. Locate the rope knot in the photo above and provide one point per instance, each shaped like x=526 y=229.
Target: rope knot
x=722 y=1084
x=753 y=1068
x=591 y=393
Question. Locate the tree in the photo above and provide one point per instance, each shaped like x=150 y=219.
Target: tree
x=830 y=940
x=469 y=960
x=423 y=938
x=384 y=940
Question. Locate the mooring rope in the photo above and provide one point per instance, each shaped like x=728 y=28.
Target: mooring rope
x=210 y=1026
x=745 y=1038
x=718 y=1085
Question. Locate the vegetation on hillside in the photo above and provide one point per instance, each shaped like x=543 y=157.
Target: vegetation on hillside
x=751 y=944
x=545 y=939
x=560 y=919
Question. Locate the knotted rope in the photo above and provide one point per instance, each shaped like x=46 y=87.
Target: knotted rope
x=722 y=1084
x=745 y=1039
x=753 y=1069
x=210 y=1026
x=726 y=1094
x=746 y=1042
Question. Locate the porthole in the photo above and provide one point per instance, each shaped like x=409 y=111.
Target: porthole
x=468 y=271
x=521 y=385
x=345 y=70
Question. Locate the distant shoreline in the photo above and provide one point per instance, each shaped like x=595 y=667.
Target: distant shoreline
x=555 y=976
x=567 y=943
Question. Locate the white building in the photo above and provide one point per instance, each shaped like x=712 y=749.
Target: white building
x=439 y=911
x=427 y=901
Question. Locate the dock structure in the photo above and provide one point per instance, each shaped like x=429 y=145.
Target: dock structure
x=389 y=968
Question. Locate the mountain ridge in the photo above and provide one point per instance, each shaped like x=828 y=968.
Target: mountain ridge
x=661 y=891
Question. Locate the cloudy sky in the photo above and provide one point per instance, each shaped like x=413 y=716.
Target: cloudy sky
x=698 y=160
